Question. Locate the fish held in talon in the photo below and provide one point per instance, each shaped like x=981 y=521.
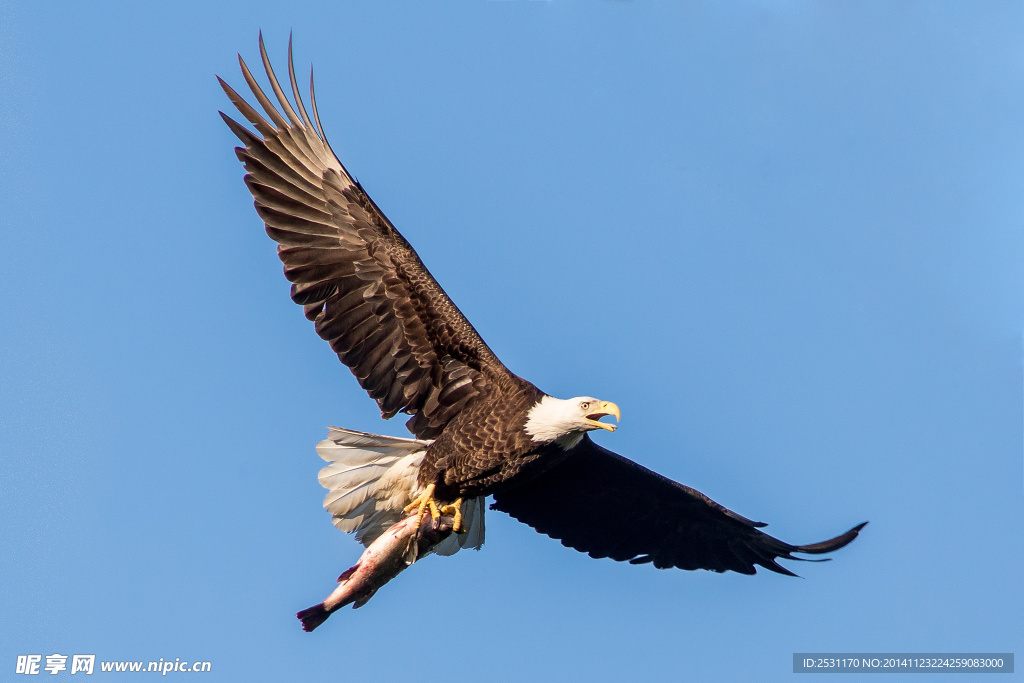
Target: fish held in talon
x=385 y=558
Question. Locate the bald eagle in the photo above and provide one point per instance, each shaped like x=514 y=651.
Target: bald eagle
x=480 y=430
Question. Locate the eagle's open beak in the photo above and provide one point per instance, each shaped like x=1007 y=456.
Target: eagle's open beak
x=606 y=408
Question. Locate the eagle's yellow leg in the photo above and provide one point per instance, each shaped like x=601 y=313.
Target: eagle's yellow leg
x=455 y=509
x=425 y=501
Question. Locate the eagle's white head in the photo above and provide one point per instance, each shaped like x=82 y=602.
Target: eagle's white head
x=566 y=421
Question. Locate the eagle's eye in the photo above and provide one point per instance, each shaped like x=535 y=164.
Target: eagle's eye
x=585 y=405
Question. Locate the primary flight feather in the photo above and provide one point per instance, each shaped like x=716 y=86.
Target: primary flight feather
x=480 y=429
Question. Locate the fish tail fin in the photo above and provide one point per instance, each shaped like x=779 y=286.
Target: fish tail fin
x=313 y=617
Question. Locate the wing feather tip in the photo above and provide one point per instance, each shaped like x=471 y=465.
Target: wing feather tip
x=832 y=544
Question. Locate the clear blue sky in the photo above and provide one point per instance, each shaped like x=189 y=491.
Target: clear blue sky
x=805 y=222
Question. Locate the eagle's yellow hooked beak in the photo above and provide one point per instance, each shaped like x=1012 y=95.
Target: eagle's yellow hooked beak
x=604 y=408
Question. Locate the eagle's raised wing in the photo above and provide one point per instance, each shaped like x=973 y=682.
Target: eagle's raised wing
x=605 y=505
x=356 y=277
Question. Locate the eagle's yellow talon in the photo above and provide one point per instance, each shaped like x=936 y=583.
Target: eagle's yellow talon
x=425 y=502
x=455 y=509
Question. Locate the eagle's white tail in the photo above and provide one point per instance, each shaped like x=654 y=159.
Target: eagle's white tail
x=371 y=478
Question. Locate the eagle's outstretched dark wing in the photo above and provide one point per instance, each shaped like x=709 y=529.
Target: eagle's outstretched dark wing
x=608 y=506
x=357 y=278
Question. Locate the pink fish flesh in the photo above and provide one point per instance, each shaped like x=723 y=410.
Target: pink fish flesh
x=383 y=560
